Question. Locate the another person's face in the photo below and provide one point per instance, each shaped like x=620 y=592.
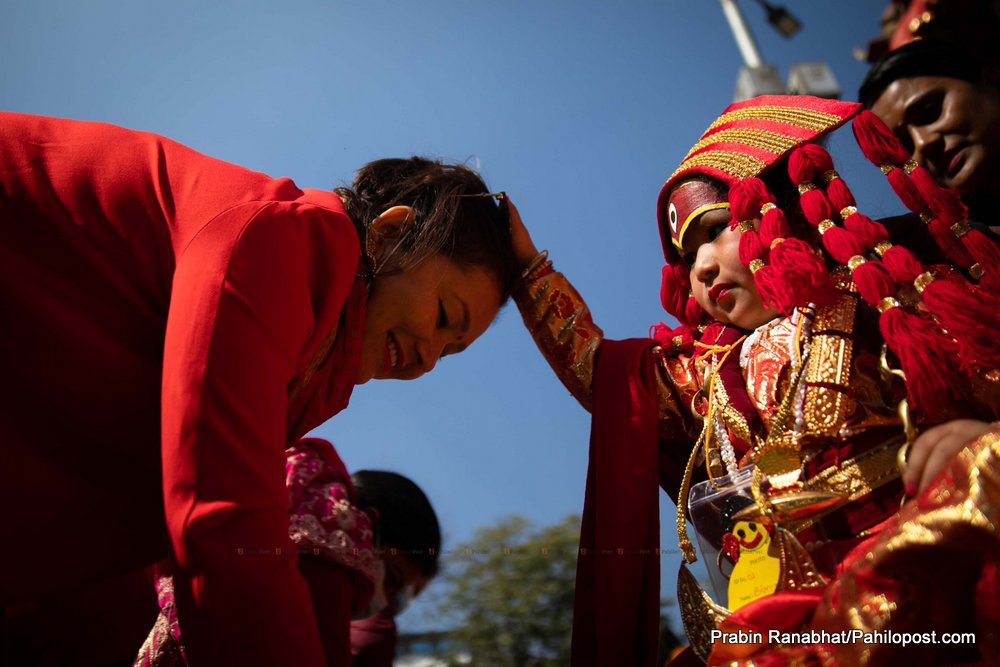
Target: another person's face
x=721 y=284
x=951 y=126
x=403 y=580
x=417 y=316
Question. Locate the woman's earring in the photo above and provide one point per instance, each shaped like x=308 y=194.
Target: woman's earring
x=368 y=266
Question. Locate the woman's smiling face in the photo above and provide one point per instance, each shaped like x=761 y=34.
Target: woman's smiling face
x=419 y=315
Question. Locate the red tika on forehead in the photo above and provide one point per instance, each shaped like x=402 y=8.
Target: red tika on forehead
x=751 y=136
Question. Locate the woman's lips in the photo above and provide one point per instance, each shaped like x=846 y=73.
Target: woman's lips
x=719 y=291
x=956 y=163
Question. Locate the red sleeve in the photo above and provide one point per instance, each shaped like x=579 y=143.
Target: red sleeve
x=616 y=606
x=332 y=590
x=241 y=312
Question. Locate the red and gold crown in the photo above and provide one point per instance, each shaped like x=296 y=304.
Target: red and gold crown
x=744 y=142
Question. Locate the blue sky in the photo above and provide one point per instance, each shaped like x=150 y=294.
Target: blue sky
x=579 y=110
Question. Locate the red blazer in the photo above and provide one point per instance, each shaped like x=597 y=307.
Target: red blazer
x=168 y=323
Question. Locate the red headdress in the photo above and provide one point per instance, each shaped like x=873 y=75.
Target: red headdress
x=743 y=143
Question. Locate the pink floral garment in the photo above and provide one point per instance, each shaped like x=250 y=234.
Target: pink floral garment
x=322 y=520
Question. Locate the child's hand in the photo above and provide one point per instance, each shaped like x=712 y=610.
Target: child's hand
x=524 y=247
x=932 y=450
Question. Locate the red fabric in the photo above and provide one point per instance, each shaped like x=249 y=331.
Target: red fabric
x=100 y=623
x=373 y=640
x=333 y=588
x=617 y=603
x=158 y=307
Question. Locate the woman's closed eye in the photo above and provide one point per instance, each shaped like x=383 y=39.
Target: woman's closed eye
x=925 y=109
x=442 y=316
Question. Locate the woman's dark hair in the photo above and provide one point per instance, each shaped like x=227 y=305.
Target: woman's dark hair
x=406 y=520
x=472 y=231
x=923 y=57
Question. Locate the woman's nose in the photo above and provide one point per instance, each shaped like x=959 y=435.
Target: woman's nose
x=926 y=143
x=428 y=354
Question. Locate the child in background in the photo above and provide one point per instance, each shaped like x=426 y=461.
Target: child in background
x=362 y=545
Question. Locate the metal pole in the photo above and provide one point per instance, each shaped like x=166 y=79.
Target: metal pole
x=741 y=32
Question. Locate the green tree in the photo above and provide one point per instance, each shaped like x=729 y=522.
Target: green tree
x=511 y=594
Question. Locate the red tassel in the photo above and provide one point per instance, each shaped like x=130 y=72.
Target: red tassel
x=839 y=194
x=987 y=255
x=945 y=204
x=873 y=283
x=752 y=247
x=676 y=341
x=772 y=289
x=808 y=163
x=675 y=285
x=800 y=268
x=970 y=319
x=746 y=197
x=901 y=264
x=693 y=314
x=867 y=230
x=907 y=191
x=876 y=141
x=925 y=356
x=815 y=206
x=950 y=244
x=842 y=244
x=774 y=226
x=660 y=332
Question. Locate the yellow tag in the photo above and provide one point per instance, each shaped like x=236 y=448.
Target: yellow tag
x=756 y=572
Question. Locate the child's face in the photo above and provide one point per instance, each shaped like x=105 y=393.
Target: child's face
x=721 y=284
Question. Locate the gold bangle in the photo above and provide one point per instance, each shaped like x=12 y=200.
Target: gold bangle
x=534 y=264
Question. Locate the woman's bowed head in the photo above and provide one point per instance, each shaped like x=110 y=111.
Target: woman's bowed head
x=439 y=254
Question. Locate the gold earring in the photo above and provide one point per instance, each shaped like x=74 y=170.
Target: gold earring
x=368 y=266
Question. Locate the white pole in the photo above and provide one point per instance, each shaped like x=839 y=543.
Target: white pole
x=744 y=40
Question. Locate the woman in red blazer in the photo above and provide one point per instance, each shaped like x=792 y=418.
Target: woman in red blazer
x=171 y=323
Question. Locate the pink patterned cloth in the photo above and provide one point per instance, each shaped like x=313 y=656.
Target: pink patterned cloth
x=322 y=520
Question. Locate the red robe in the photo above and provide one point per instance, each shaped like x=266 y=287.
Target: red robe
x=168 y=324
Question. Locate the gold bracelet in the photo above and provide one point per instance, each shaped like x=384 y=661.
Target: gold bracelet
x=536 y=263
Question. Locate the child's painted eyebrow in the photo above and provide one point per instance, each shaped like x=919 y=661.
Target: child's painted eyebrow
x=701 y=218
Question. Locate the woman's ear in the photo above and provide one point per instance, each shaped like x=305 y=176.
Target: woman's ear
x=393 y=222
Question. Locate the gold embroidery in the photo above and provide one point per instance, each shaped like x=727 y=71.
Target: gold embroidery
x=763 y=139
x=736 y=164
x=828 y=371
x=560 y=322
x=811 y=120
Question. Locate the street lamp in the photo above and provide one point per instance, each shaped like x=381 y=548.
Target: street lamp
x=757 y=77
x=781 y=18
